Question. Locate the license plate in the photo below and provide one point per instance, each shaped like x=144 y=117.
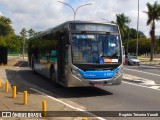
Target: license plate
x=98 y=84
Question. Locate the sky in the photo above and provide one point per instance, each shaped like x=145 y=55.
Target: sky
x=43 y=14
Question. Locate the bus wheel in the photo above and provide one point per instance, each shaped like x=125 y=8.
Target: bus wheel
x=53 y=77
x=33 y=67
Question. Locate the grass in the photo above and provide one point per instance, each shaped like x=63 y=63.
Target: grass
x=142 y=59
x=148 y=60
x=13 y=54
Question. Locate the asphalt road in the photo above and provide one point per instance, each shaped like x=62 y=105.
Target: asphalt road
x=143 y=71
x=124 y=97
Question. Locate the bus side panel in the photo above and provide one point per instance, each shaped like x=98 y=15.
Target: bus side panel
x=43 y=53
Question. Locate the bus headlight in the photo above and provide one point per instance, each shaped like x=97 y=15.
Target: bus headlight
x=76 y=73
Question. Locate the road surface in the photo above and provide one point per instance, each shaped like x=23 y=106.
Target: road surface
x=125 y=97
x=143 y=71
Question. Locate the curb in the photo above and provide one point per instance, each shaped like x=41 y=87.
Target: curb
x=131 y=78
x=152 y=64
x=134 y=81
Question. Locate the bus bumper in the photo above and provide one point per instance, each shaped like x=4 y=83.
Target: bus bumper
x=74 y=81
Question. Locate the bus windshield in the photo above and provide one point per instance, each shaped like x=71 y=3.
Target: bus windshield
x=95 y=48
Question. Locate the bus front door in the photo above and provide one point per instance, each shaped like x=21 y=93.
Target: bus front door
x=62 y=60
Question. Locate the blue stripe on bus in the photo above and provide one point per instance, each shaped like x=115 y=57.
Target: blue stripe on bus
x=98 y=74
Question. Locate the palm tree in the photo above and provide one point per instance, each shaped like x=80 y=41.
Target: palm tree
x=121 y=21
x=153 y=15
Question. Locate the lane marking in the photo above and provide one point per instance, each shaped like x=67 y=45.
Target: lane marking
x=75 y=108
x=156 y=66
x=141 y=85
x=142 y=72
x=155 y=87
x=145 y=81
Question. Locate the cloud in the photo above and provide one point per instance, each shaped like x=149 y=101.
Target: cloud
x=0 y=13
x=42 y=14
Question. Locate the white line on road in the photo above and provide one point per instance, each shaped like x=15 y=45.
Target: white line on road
x=142 y=72
x=155 y=66
x=155 y=88
x=75 y=108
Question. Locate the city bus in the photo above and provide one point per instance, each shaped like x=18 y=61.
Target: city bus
x=78 y=54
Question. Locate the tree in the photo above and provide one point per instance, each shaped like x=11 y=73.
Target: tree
x=153 y=14
x=3 y=41
x=132 y=34
x=144 y=46
x=23 y=33
x=5 y=26
x=121 y=21
x=31 y=32
x=15 y=44
x=158 y=46
x=6 y=31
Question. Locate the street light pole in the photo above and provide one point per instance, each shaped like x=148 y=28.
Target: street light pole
x=137 y=30
x=74 y=11
x=106 y=20
x=80 y=7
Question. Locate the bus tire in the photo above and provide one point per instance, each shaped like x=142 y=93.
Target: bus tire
x=33 y=67
x=53 y=76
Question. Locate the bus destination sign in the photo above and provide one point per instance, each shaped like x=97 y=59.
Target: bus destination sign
x=94 y=27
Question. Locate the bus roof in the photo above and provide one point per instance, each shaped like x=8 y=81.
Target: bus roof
x=65 y=25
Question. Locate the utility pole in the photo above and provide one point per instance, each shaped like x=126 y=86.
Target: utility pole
x=137 y=30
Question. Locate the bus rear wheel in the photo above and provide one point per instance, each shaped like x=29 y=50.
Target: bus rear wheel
x=33 y=67
x=53 y=77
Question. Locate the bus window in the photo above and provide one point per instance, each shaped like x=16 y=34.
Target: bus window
x=88 y=49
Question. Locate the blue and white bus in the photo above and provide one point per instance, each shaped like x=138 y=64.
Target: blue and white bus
x=78 y=53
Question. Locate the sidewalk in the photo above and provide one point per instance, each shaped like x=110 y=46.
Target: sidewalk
x=7 y=103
